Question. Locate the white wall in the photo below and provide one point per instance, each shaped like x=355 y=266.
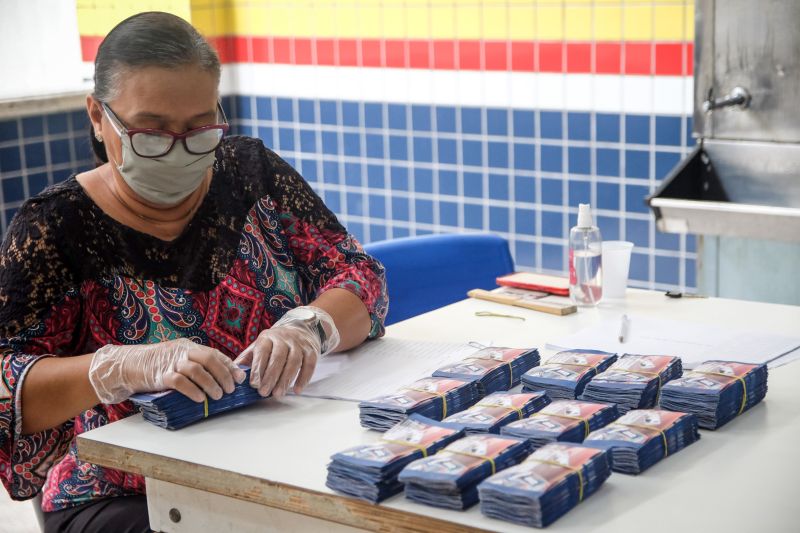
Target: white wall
x=40 y=52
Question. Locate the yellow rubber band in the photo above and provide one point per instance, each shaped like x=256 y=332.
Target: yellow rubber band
x=741 y=380
x=510 y=367
x=519 y=411
x=663 y=435
x=443 y=396
x=410 y=445
x=578 y=471
x=484 y=457
x=205 y=407
x=584 y=420
x=643 y=372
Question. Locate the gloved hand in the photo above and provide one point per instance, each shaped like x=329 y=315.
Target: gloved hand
x=192 y=369
x=289 y=350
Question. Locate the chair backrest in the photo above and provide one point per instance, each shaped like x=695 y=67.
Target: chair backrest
x=424 y=273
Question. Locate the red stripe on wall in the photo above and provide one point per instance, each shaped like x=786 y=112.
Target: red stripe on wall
x=642 y=58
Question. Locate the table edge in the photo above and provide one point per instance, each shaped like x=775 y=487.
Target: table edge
x=327 y=506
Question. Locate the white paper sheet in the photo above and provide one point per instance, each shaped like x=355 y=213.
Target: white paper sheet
x=692 y=342
x=380 y=367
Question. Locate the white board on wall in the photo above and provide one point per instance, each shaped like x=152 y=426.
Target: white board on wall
x=40 y=49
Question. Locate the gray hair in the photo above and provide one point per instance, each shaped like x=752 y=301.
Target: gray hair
x=150 y=39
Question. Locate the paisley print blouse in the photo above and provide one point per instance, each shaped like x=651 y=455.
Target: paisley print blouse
x=72 y=279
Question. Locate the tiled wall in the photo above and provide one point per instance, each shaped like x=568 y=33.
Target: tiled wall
x=414 y=117
x=37 y=151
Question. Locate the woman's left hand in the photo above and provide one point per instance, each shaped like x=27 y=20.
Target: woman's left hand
x=286 y=354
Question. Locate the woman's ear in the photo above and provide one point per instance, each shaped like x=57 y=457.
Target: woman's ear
x=95 y=116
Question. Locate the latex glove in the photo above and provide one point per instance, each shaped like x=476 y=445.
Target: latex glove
x=192 y=369
x=287 y=353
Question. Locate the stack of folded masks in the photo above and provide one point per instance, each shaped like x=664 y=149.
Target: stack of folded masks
x=566 y=374
x=716 y=391
x=562 y=421
x=494 y=369
x=449 y=479
x=430 y=397
x=633 y=381
x=545 y=486
x=172 y=410
x=641 y=438
x=370 y=471
x=498 y=409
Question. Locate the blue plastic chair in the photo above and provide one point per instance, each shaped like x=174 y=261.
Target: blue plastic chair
x=428 y=272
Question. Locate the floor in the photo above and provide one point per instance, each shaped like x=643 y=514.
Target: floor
x=16 y=517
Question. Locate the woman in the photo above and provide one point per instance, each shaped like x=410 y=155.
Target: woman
x=180 y=252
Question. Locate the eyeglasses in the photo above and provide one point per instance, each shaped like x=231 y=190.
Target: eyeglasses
x=150 y=142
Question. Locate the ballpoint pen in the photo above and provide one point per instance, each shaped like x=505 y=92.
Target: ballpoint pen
x=624 y=327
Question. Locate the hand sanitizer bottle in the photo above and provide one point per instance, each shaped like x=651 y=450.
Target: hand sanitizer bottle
x=585 y=260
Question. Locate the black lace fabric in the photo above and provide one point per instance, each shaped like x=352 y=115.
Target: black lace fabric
x=61 y=238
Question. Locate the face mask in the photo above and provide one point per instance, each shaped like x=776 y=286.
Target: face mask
x=165 y=180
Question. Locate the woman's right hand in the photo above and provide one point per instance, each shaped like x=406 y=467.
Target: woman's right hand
x=197 y=371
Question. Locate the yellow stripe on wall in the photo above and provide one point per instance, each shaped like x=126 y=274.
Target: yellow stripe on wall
x=518 y=20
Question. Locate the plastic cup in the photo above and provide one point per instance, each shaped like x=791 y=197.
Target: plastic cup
x=616 y=263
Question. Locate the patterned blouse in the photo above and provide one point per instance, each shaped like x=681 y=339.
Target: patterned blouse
x=72 y=279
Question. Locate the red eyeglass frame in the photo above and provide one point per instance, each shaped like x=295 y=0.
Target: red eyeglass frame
x=130 y=132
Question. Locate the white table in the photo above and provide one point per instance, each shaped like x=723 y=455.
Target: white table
x=263 y=467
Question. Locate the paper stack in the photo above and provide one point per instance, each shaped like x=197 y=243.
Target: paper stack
x=562 y=421
x=449 y=479
x=498 y=409
x=172 y=410
x=434 y=398
x=716 y=391
x=370 y=471
x=566 y=374
x=641 y=438
x=494 y=369
x=545 y=486
x=633 y=381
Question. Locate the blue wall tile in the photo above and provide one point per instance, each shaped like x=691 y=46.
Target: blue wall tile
x=423 y=180
x=550 y=125
x=553 y=257
x=56 y=124
x=471 y=121
x=552 y=224
x=59 y=151
x=446 y=119
x=525 y=254
x=524 y=124
x=36 y=183
x=263 y=108
x=580 y=192
x=328 y=112
x=308 y=141
x=498 y=219
x=607 y=127
x=355 y=205
x=448 y=213
x=609 y=227
x=350 y=114
x=637 y=129
x=13 y=190
x=375 y=177
x=267 y=135
x=640 y=267
x=579 y=160
x=330 y=171
x=552 y=193
x=352 y=174
x=374 y=146
x=524 y=189
x=285 y=139
x=35 y=155
x=667 y=270
x=668 y=241
x=397 y=117
x=578 y=126
x=373 y=115
x=398 y=148
x=399 y=177
x=634 y=198
x=665 y=162
x=285 y=110
x=8 y=130
x=607 y=162
x=307 y=112
x=551 y=158
x=377 y=206
x=448 y=182
x=377 y=232
x=668 y=131
x=473 y=216
x=498 y=186
x=424 y=211
x=497 y=122
x=473 y=185
x=638 y=232
x=352 y=144
x=308 y=169
x=400 y=208
x=637 y=164
x=471 y=153
x=525 y=221
x=448 y=151
x=421 y=118
x=423 y=149
x=608 y=196
x=524 y=156
x=498 y=154
x=33 y=126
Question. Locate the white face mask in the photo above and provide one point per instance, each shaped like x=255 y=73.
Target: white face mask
x=163 y=180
